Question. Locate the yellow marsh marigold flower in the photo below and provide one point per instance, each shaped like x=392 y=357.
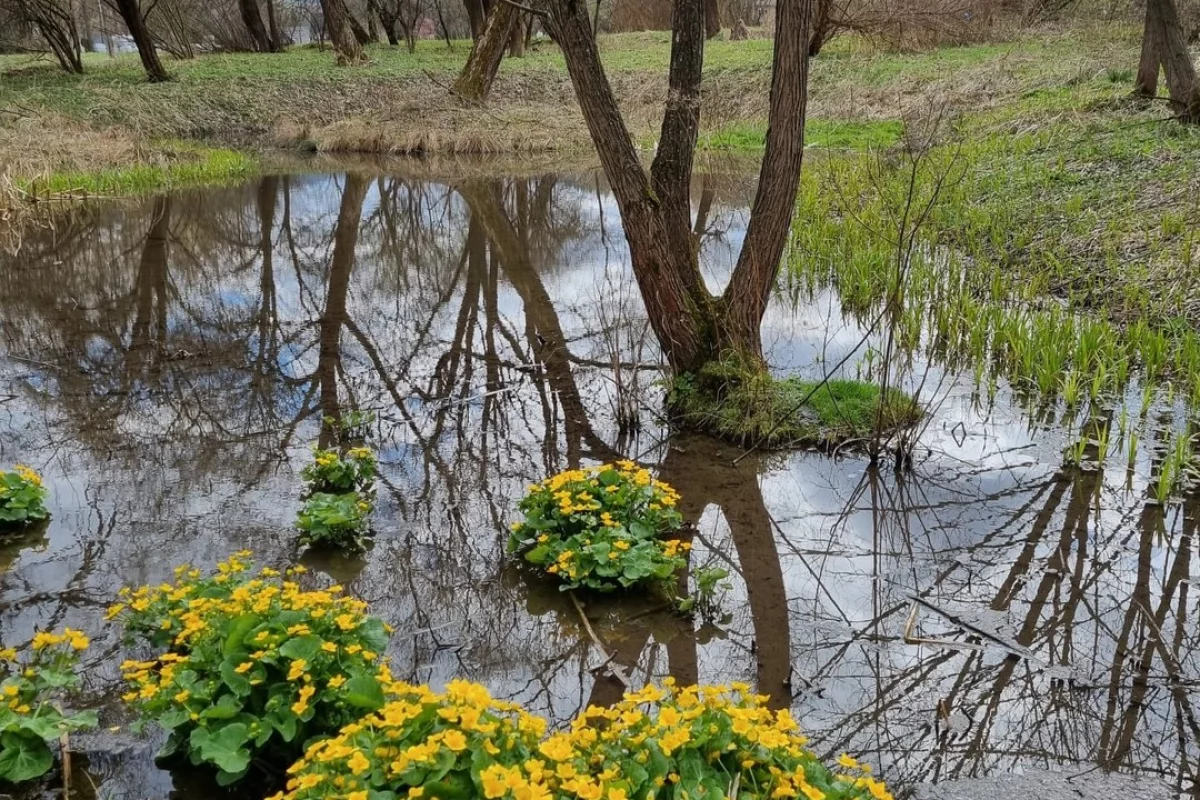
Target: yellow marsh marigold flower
x=301 y=705
x=28 y=474
x=455 y=741
x=358 y=763
x=557 y=748
x=42 y=640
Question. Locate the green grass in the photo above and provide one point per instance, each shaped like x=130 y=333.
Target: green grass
x=196 y=166
x=1066 y=245
x=751 y=407
x=828 y=134
x=238 y=97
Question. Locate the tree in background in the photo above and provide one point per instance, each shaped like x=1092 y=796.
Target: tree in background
x=475 y=81
x=132 y=15
x=477 y=12
x=264 y=42
x=712 y=18
x=694 y=327
x=1165 y=47
x=337 y=22
x=53 y=21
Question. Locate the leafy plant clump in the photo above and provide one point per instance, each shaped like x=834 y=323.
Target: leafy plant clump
x=750 y=406
x=332 y=473
x=601 y=528
x=452 y=745
x=253 y=667
x=22 y=497
x=693 y=743
x=30 y=715
x=336 y=521
x=698 y=742
x=339 y=499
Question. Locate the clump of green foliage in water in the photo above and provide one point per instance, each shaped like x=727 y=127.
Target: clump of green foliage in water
x=747 y=405
x=250 y=667
x=339 y=499
x=601 y=528
x=31 y=717
x=22 y=497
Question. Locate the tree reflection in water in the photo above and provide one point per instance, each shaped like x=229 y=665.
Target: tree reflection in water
x=167 y=364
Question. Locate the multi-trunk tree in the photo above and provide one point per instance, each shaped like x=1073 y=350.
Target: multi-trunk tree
x=54 y=22
x=694 y=327
x=1165 y=48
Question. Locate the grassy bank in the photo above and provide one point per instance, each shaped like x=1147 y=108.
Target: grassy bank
x=178 y=164
x=1059 y=252
x=398 y=103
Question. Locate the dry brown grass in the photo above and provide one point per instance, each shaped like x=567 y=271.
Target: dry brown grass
x=39 y=144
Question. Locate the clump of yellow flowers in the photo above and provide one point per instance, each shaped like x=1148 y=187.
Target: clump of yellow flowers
x=601 y=527
x=419 y=744
x=339 y=496
x=250 y=663
x=31 y=718
x=692 y=743
x=22 y=497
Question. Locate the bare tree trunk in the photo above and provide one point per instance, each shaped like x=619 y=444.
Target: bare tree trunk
x=476 y=16
x=516 y=44
x=475 y=81
x=273 y=26
x=437 y=4
x=372 y=28
x=712 y=18
x=131 y=15
x=83 y=26
x=360 y=33
x=1177 y=61
x=106 y=32
x=822 y=27
x=347 y=47
x=388 y=18
x=254 y=25
x=778 y=178
x=1146 y=84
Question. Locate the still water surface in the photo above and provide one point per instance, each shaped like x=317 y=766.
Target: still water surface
x=166 y=364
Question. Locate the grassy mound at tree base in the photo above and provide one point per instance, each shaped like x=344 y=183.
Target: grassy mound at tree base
x=751 y=407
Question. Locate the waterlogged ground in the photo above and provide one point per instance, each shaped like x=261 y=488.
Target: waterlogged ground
x=166 y=365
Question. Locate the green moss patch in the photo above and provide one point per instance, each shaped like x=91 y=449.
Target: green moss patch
x=753 y=407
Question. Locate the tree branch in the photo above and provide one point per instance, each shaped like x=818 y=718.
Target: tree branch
x=535 y=12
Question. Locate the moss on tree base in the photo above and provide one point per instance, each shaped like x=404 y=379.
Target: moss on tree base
x=751 y=407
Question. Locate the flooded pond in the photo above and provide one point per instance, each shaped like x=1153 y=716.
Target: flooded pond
x=166 y=365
